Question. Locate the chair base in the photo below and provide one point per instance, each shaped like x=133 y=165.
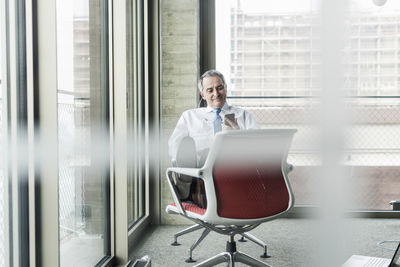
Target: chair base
x=190 y=260
x=175 y=243
x=185 y=231
x=196 y=227
x=251 y=237
x=265 y=256
x=231 y=256
x=242 y=239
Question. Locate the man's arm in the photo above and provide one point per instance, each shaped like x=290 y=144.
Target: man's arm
x=180 y=132
x=250 y=122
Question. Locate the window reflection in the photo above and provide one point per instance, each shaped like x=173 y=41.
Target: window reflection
x=82 y=123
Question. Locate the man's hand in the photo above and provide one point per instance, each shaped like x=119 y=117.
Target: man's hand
x=230 y=125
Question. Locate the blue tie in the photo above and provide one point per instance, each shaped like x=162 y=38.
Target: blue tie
x=217 y=121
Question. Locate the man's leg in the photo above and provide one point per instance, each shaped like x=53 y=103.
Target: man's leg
x=186 y=158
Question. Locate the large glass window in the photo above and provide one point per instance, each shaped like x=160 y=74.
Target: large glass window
x=269 y=52
x=136 y=112
x=2 y=176
x=83 y=132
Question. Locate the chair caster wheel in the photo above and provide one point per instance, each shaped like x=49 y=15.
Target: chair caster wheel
x=265 y=256
x=175 y=244
x=242 y=239
x=189 y=260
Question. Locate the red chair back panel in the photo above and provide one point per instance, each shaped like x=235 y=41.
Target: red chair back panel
x=250 y=191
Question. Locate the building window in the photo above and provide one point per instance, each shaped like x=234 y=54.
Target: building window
x=3 y=201
x=269 y=52
x=136 y=113
x=82 y=132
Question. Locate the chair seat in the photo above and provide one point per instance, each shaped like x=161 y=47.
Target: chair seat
x=188 y=207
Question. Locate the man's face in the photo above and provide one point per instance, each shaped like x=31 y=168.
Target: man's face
x=214 y=92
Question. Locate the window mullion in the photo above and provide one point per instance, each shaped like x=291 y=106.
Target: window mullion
x=47 y=230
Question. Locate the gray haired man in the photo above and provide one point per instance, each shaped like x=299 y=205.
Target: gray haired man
x=194 y=133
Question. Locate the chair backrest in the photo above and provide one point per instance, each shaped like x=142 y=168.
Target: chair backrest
x=250 y=173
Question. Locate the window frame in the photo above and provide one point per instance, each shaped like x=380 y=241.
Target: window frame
x=136 y=77
x=4 y=65
x=37 y=208
x=15 y=132
x=45 y=102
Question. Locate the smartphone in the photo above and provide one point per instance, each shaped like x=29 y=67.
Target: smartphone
x=231 y=117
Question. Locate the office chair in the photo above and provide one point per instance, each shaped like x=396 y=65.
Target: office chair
x=245 y=177
x=187 y=158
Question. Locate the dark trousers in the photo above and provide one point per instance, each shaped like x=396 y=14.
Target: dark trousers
x=189 y=188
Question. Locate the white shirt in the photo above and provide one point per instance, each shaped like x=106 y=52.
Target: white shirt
x=198 y=123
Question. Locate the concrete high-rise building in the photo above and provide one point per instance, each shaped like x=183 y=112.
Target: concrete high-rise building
x=278 y=54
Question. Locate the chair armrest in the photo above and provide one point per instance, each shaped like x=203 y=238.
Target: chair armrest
x=174 y=192
x=194 y=172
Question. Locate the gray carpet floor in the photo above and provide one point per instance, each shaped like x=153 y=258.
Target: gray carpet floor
x=291 y=242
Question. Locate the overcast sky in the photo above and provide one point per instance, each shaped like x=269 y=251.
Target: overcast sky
x=289 y=6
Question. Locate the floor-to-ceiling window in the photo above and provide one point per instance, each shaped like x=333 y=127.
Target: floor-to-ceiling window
x=135 y=120
x=136 y=113
x=60 y=124
x=82 y=86
x=271 y=55
x=14 y=174
x=2 y=176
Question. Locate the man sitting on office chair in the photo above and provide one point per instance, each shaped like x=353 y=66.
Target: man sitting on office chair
x=194 y=133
